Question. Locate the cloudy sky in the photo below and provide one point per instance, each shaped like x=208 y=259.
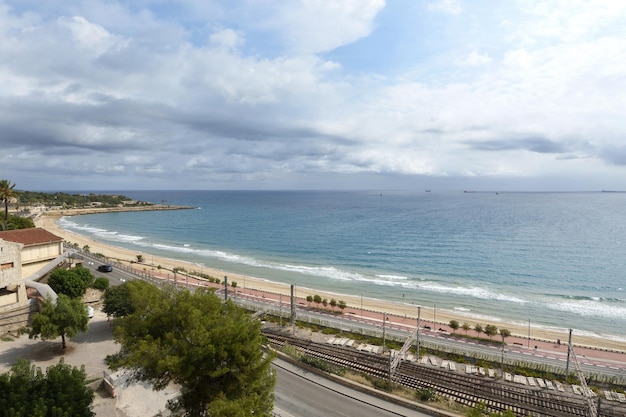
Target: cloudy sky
x=313 y=94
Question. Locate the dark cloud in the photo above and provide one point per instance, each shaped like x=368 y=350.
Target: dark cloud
x=531 y=144
x=615 y=155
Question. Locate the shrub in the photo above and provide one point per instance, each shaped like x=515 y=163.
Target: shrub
x=101 y=283
x=426 y=394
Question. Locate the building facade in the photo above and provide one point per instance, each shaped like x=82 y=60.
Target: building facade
x=39 y=247
x=12 y=287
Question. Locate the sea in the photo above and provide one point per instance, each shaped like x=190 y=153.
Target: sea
x=550 y=260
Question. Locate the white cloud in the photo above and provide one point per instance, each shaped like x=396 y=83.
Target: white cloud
x=226 y=38
x=475 y=59
x=210 y=95
x=446 y=6
x=312 y=26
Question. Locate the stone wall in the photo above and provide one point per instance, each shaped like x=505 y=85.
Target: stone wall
x=17 y=318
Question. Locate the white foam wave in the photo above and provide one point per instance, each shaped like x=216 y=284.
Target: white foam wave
x=589 y=308
x=98 y=232
x=393 y=277
x=323 y=271
x=475 y=292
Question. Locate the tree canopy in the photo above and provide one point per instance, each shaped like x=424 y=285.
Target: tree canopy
x=17 y=222
x=212 y=350
x=454 y=325
x=122 y=300
x=491 y=330
x=26 y=391
x=65 y=281
x=65 y=318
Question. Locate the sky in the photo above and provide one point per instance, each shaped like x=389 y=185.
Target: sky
x=313 y=94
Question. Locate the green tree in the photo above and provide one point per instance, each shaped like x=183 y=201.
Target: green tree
x=309 y=299
x=101 y=283
x=65 y=318
x=7 y=192
x=17 y=222
x=333 y=303
x=26 y=391
x=140 y=259
x=317 y=299
x=85 y=275
x=466 y=327
x=454 y=325
x=504 y=333
x=478 y=328
x=342 y=304
x=122 y=300
x=64 y=281
x=491 y=330
x=325 y=302
x=212 y=350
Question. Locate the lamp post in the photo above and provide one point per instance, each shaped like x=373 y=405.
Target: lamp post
x=417 y=334
x=361 y=305
x=384 y=320
x=569 y=348
x=502 y=359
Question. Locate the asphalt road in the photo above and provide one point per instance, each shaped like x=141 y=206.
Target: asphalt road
x=301 y=393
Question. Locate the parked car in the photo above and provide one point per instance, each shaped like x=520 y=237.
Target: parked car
x=105 y=268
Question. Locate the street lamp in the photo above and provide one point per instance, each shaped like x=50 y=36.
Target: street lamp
x=417 y=334
x=502 y=359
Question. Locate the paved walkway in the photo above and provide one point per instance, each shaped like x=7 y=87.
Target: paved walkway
x=88 y=349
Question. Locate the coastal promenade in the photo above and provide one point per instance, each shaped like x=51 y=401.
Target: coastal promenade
x=522 y=336
x=595 y=360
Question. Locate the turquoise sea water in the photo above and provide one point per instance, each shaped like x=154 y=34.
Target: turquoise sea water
x=554 y=259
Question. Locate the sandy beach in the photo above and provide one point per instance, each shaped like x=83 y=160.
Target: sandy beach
x=540 y=337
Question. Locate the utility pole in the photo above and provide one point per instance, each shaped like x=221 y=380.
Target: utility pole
x=293 y=308
x=569 y=348
x=384 y=320
x=502 y=359
x=417 y=334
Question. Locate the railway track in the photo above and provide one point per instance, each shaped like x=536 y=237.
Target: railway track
x=462 y=388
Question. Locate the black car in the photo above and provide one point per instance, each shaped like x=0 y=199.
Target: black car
x=105 y=268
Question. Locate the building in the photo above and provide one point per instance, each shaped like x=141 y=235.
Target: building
x=39 y=247
x=12 y=286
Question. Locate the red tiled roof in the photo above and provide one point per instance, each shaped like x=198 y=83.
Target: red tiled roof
x=32 y=236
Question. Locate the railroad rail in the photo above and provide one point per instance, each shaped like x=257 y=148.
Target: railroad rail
x=466 y=389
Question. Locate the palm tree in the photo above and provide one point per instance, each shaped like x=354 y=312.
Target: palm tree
x=6 y=193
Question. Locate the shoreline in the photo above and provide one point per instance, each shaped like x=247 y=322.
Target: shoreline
x=542 y=337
